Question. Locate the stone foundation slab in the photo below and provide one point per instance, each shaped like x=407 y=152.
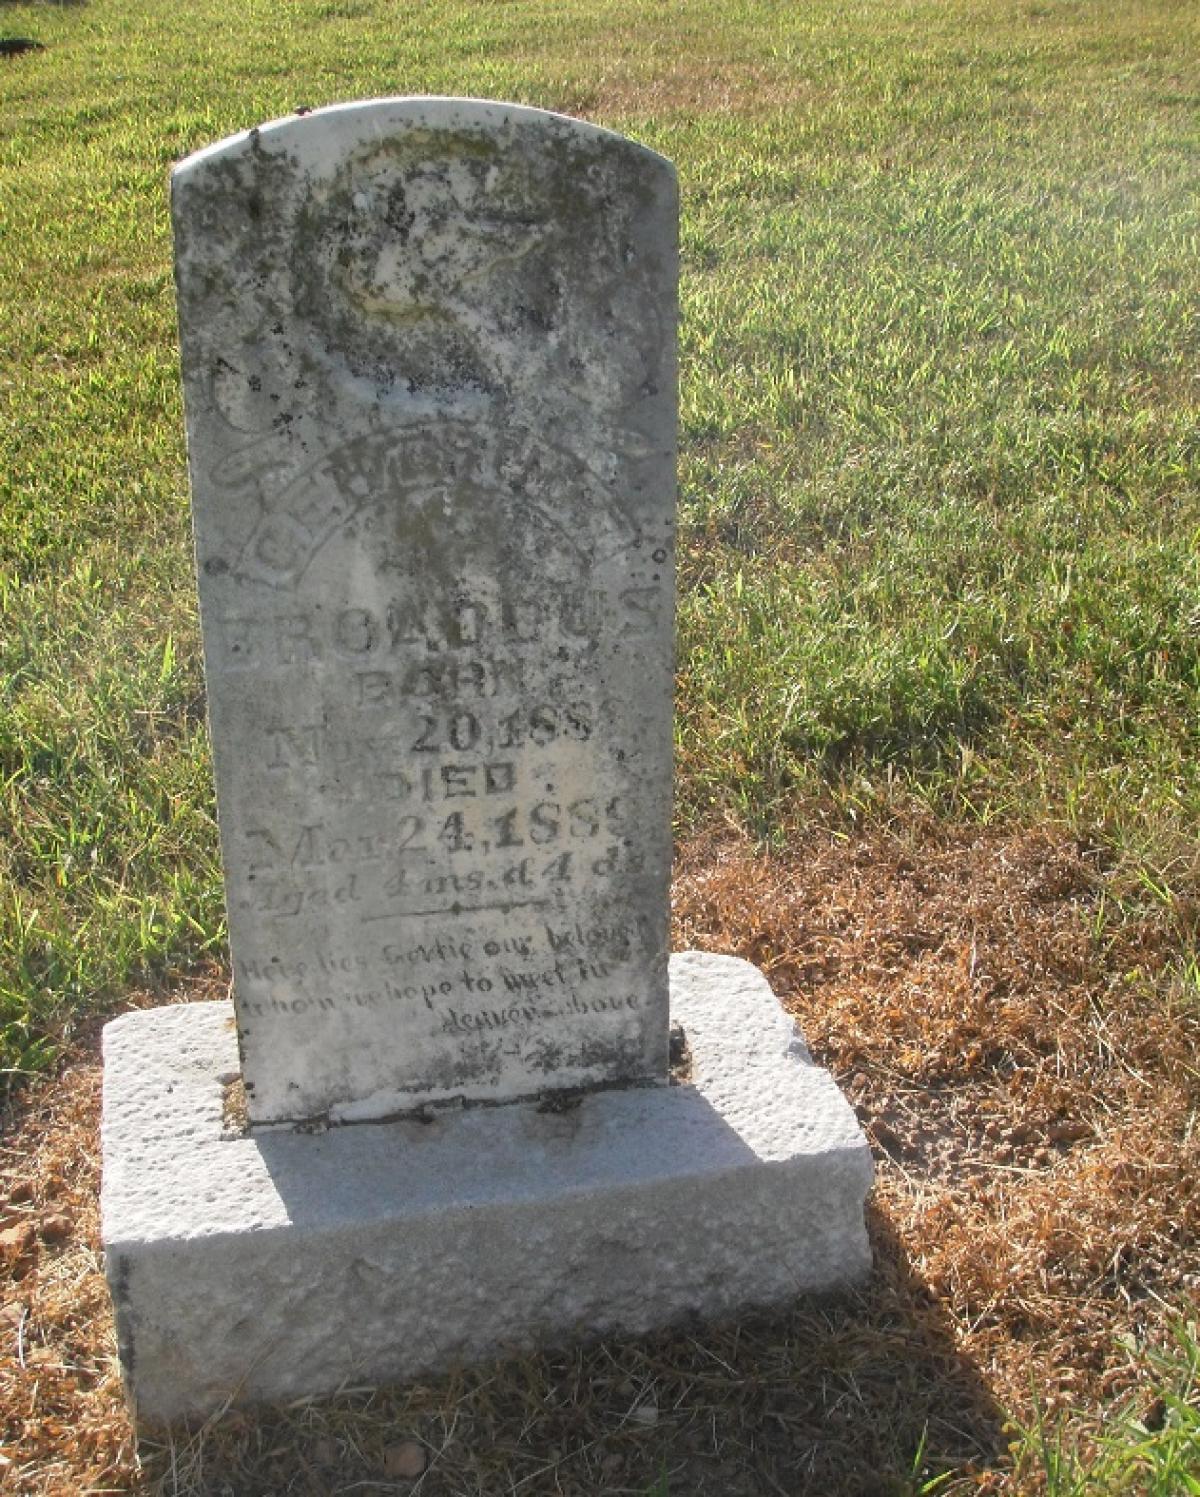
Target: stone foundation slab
x=286 y=1263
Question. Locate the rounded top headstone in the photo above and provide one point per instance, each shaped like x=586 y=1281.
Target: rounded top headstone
x=429 y=371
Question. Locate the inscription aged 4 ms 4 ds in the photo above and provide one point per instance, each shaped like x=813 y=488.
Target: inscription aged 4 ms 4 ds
x=544 y=826
x=429 y=371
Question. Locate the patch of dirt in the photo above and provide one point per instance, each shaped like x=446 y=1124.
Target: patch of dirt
x=1024 y=1063
x=235 y=1119
x=687 y=90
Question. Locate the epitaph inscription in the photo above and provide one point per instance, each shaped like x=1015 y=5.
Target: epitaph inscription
x=428 y=352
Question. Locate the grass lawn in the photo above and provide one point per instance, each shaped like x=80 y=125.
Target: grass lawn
x=938 y=703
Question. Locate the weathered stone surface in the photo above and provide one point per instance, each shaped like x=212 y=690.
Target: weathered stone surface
x=428 y=354
x=285 y=1263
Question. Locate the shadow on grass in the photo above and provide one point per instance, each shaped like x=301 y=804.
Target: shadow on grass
x=859 y=1396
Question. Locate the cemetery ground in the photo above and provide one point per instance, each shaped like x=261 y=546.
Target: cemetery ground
x=937 y=760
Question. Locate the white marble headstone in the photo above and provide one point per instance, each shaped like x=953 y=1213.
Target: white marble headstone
x=428 y=353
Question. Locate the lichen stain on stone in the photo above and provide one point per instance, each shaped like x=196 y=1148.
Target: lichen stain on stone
x=389 y=265
x=388 y=246
x=428 y=253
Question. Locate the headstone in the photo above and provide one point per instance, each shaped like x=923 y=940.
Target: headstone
x=428 y=359
x=429 y=374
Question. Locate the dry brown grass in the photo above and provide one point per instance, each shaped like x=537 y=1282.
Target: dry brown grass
x=687 y=88
x=1027 y=1072
x=1029 y=1079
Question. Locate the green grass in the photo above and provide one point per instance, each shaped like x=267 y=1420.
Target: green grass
x=942 y=479
x=940 y=511
x=1151 y=1448
x=940 y=505
x=940 y=499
